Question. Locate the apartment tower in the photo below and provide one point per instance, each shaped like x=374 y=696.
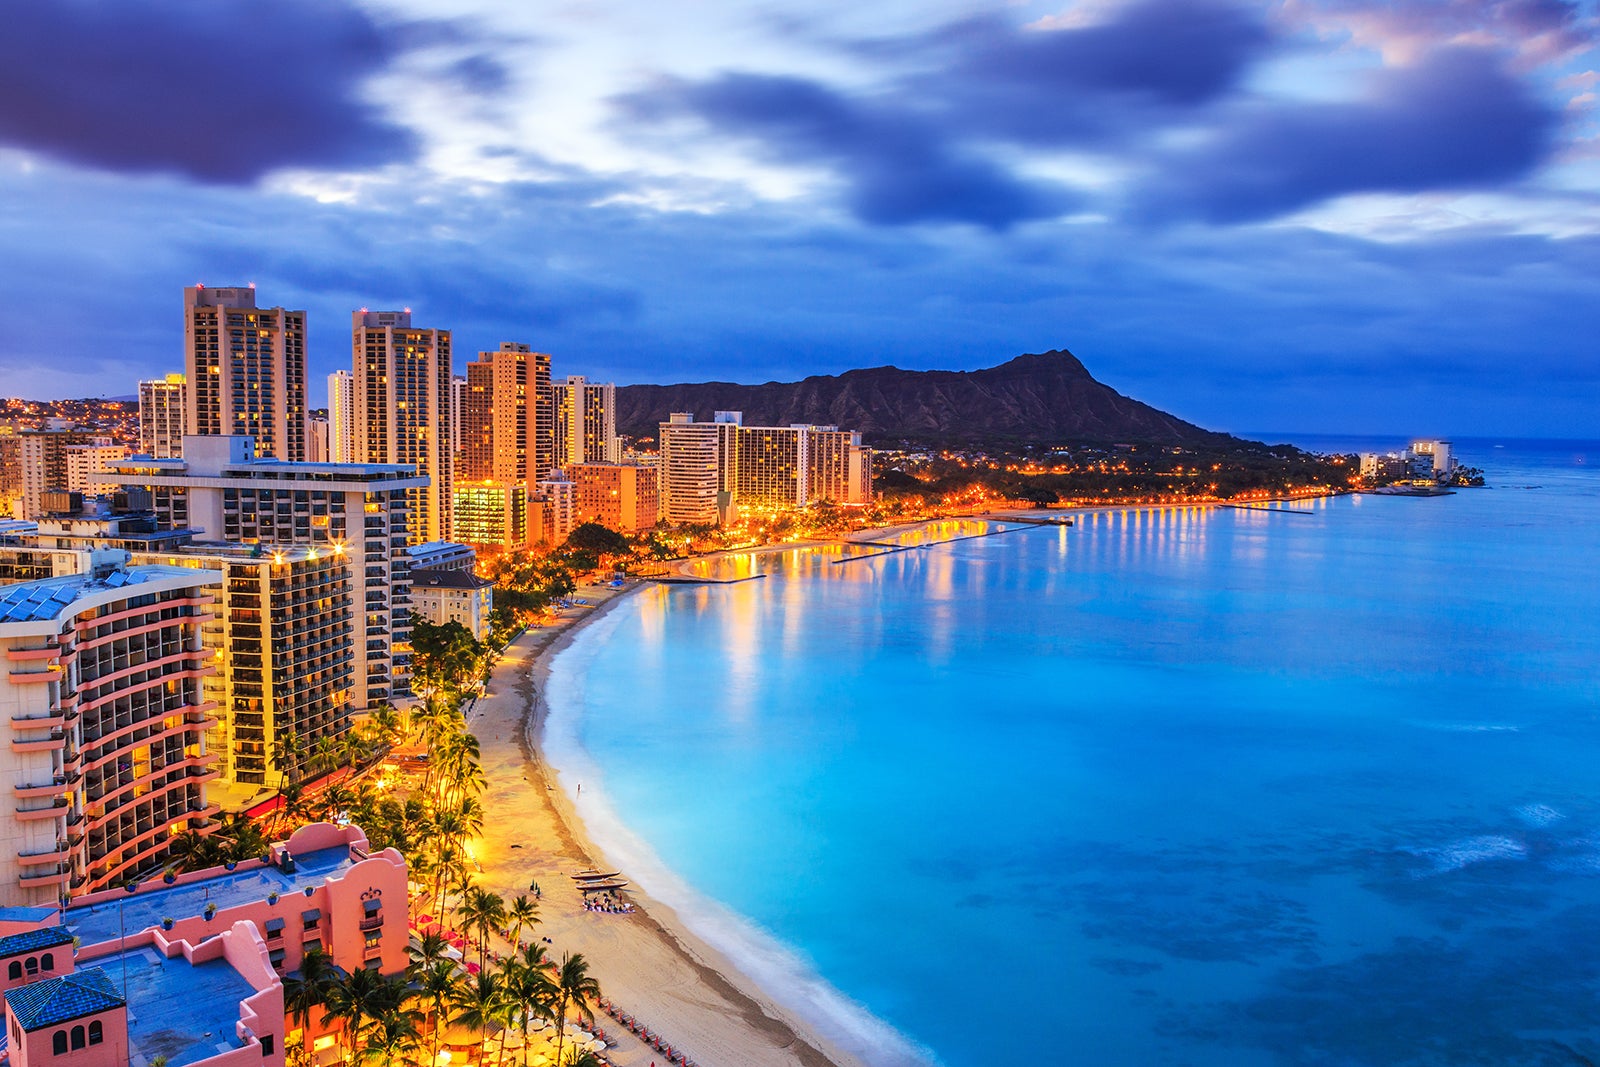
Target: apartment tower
x=585 y=422
x=402 y=405
x=163 y=411
x=246 y=369
x=342 y=436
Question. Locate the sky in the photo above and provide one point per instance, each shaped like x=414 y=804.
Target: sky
x=1339 y=216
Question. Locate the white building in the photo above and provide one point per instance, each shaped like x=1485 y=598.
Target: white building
x=163 y=416
x=440 y=596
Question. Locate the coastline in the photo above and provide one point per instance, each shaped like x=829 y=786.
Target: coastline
x=649 y=963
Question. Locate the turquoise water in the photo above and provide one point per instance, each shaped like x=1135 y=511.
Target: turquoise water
x=1181 y=787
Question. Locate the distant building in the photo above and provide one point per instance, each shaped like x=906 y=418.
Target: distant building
x=552 y=511
x=89 y=468
x=163 y=416
x=492 y=514
x=343 y=441
x=42 y=464
x=697 y=469
x=402 y=405
x=440 y=596
x=103 y=694
x=319 y=439
x=246 y=370
x=585 y=422
x=619 y=496
x=1440 y=458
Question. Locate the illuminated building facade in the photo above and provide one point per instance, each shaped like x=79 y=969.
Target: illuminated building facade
x=585 y=422
x=492 y=513
x=246 y=370
x=619 y=496
x=402 y=405
x=163 y=415
x=698 y=468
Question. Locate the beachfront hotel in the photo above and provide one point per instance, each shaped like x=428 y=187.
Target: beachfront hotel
x=191 y=967
x=102 y=690
x=358 y=510
x=585 y=415
x=246 y=369
x=708 y=469
x=620 y=496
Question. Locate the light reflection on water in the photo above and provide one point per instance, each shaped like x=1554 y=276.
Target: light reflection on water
x=1212 y=786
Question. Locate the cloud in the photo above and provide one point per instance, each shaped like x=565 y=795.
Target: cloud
x=1454 y=120
x=1534 y=31
x=220 y=93
x=897 y=168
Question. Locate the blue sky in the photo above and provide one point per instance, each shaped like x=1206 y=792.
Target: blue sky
x=1319 y=215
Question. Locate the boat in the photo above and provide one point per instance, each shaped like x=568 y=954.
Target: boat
x=602 y=887
x=592 y=875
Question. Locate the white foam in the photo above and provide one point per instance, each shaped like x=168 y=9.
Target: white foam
x=1539 y=814
x=1472 y=727
x=779 y=969
x=1474 y=850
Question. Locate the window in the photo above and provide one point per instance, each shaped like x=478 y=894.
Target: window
x=96 y=1033
x=32 y=965
x=15 y=970
x=77 y=1037
x=48 y=961
x=266 y=1044
x=58 y=1042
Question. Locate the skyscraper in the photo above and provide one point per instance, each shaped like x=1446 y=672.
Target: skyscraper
x=342 y=437
x=585 y=422
x=163 y=411
x=402 y=405
x=246 y=369
x=500 y=426
x=699 y=467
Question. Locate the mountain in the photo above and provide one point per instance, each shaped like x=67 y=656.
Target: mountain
x=1044 y=398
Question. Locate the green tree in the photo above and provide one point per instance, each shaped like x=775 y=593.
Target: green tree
x=310 y=989
x=521 y=914
x=575 y=989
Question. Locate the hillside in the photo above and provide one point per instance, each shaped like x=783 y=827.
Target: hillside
x=1045 y=398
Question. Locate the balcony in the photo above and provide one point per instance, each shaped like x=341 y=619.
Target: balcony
x=49 y=674
x=57 y=875
x=54 y=743
x=58 y=854
x=47 y=721
x=54 y=811
x=22 y=655
x=42 y=790
x=374 y=922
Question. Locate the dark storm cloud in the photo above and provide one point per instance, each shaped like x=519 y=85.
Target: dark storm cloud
x=221 y=93
x=898 y=169
x=1454 y=120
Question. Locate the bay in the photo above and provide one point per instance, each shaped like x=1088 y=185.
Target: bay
x=1206 y=786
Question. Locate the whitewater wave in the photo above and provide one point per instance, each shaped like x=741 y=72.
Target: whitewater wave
x=778 y=968
x=1539 y=814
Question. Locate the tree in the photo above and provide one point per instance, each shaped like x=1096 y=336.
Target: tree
x=529 y=994
x=482 y=912
x=480 y=1003
x=435 y=984
x=574 y=989
x=363 y=995
x=310 y=990
x=521 y=914
x=598 y=539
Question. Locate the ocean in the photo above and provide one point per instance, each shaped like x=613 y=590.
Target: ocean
x=1184 y=786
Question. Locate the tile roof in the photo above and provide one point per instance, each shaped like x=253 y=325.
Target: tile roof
x=436 y=578
x=33 y=940
x=56 y=1000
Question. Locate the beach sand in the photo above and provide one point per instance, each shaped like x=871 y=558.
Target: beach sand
x=647 y=963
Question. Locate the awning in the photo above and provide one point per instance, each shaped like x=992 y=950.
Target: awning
x=312 y=915
x=275 y=956
x=370 y=906
x=274 y=925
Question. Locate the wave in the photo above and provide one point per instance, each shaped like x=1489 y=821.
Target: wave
x=1481 y=849
x=778 y=968
x=1539 y=814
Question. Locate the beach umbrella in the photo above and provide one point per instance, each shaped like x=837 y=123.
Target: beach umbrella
x=461 y=1036
x=596 y=1045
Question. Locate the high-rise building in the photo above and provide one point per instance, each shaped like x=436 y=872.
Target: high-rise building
x=619 y=496
x=491 y=513
x=358 y=509
x=698 y=468
x=343 y=440
x=458 y=392
x=552 y=511
x=500 y=423
x=89 y=468
x=585 y=422
x=246 y=369
x=402 y=405
x=163 y=414
x=108 y=720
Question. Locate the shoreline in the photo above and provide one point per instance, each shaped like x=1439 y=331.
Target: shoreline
x=649 y=963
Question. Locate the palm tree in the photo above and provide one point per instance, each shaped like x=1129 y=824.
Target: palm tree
x=317 y=977
x=574 y=988
x=431 y=948
x=435 y=985
x=389 y=1039
x=484 y=912
x=364 y=995
x=288 y=754
x=521 y=914
x=480 y=1003
x=529 y=993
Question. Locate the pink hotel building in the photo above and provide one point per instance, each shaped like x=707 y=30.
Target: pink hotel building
x=192 y=968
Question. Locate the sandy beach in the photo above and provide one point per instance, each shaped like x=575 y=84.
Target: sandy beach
x=647 y=963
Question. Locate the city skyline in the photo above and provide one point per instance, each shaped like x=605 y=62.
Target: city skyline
x=1314 y=216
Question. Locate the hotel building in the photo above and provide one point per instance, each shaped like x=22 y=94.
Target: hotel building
x=102 y=689
x=354 y=509
x=163 y=409
x=42 y=464
x=191 y=969
x=698 y=468
x=619 y=496
x=402 y=405
x=709 y=468
x=443 y=595
x=246 y=370
x=490 y=513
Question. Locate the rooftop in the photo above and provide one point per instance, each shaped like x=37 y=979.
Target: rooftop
x=177 y=1009
x=130 y=912
x=57 y=1000
x=33 y=940
x=439 y=578
x=47 y=598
